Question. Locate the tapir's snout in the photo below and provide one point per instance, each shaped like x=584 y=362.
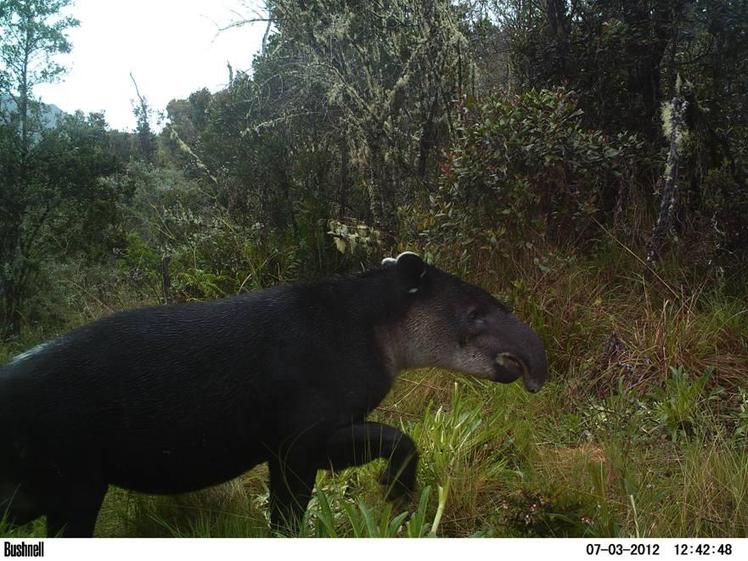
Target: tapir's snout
x=524 y=358
x=533 y=382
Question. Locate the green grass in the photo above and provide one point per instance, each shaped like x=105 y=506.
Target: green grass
x=642 y=430
x=494 y=462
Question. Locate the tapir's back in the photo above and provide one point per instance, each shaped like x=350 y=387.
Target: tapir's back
x=184 y=386
x=156 y=350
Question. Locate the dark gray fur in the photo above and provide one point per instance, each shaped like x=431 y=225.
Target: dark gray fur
x=177 y=398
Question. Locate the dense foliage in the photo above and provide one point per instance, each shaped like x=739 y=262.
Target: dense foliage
x=527 y=162
x=537 y=148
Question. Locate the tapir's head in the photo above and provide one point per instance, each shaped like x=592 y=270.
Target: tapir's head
x=455 y=325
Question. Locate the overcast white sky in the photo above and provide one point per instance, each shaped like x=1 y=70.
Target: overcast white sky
x=172 y=47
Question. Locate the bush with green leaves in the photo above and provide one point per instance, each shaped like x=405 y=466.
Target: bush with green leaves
x=56 y=202
x=527 y=159
x=183 y=245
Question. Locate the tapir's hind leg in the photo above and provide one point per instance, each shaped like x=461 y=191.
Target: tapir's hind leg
x=72 y=514
x=361 y=443
x=17 y=507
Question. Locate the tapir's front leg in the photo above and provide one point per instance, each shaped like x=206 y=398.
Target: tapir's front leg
x=361 y=443
x=293 y=469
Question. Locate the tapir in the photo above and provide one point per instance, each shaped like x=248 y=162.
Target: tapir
x=177 y=398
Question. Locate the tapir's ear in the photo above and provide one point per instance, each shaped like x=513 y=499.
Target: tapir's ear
x=411 y=269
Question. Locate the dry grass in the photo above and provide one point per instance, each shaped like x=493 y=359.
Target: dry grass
x=616 y=445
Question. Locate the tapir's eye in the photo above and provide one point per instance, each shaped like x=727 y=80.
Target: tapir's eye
x=474 y=315
x=475 y=321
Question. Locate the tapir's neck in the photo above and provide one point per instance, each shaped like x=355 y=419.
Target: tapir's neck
x=394 y=358
x=406 y=346
x=401 y=338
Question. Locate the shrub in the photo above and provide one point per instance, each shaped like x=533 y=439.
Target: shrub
x=527 y=160
x=181 y=245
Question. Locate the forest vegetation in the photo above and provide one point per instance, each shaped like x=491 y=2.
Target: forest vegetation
x=584 y=160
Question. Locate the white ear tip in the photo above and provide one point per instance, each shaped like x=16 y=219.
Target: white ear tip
x=387 y=261
x=407 y=253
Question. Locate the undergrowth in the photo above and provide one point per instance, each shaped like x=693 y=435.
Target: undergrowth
x=641 y=430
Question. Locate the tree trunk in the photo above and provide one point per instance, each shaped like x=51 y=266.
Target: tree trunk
x=345 y=177
x=677 y=130
x=559 y=28
x=428 y=138
x=166 y=278
x=381 y=194
x=23 y=97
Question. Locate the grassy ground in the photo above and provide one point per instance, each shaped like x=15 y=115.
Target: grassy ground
x=642 y=430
